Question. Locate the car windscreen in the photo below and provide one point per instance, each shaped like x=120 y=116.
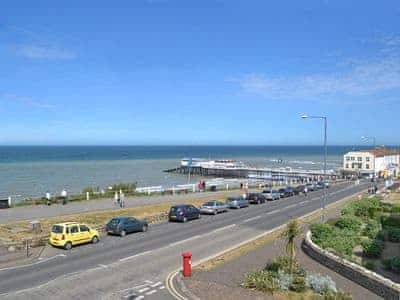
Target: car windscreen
x=176 y=209
x=115 y=221
x=208 y=204
x=57 y=229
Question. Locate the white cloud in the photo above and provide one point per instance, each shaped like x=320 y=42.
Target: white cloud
x=25 y=100
x=44 y=52
x=360 y=79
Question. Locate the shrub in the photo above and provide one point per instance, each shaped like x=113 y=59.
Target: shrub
x=386 y=263
x=395 y=209
x=321 y=284
x=284 y=280
x=394 y=234
x=381 y=235
x=321 y=232
x=370 y=265
x=365 y=208
x=261 y=280
x=298 y=284
x=347 y=211
x=391 y=221
x=282 y=263
x=337 y=296
x=372 y=248
x=395 y=264
x=350 y=223
x=372 y=228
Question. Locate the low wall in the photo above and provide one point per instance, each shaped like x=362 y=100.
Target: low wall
x=374 y=282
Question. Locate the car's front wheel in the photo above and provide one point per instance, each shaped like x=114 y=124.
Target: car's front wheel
x=184 y=219
x=95 y=240
x=123 y=233
x=144 y=228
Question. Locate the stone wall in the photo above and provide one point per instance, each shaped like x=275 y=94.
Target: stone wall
x=376 y=283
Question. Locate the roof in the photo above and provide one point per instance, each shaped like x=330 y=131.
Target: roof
x=67 y=223
x=379 y=151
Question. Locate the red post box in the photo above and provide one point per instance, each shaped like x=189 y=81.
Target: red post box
x=187 y=264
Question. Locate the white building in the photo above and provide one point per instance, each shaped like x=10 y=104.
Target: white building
x=383 y=161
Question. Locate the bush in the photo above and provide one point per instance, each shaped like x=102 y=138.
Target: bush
x=372 y=248
x=298 y=284
x=370 y=265
x=381 y=235
x=282 y=263
x=386 y=263
x=391 y=221
x=261 y=280
x=394 y=234
x=350 y=223
x=321 y=232
x=321 y=284
x=395 y=209
x=372 y=228
x=284 y=280
x=337 y=296
x=395 y=264
x=365 y=208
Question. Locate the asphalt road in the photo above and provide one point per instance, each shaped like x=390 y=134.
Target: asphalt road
x=136 y=266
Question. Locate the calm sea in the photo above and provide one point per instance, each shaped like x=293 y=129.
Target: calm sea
x=33 y=170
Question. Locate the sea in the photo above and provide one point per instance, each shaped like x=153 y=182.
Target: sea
x=31 y=171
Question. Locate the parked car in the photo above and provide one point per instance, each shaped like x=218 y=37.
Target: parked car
x=311 y=187
x=286 y=192
x=237 y=202
x=123 y=225
x=70 y=234
x=321 y=185
x=271 y=194
x=183 y=213
x=299 y=189
x=256 y=198
x=213 y=207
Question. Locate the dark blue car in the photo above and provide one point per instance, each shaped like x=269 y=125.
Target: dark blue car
x=123 y=225
x=183 y=213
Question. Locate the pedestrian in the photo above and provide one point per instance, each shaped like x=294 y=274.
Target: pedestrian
x=121 y=200
x=305 y=191
x=204 y=186
x=64 y=196
x=116 y=197
x=48 y=198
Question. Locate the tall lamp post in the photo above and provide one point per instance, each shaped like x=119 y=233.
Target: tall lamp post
x=373 y=139
x=324 y=200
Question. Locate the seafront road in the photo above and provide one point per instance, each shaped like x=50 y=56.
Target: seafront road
x=43 y=211
x=135 y=267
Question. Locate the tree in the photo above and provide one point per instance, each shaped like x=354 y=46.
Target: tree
x=290 y=233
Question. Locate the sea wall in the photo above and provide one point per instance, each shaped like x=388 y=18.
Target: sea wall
x=374 y=282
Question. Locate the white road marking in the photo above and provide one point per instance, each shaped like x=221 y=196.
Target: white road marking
x=161 y=287
x=156 y=284
x=251 y=219
x=148 y=281
x=273 y=212
x=224 y=228
x=135 y=287
x=151 y=292
x=186 y=240
x=103 y=266
x=143 y=290
x=290 y=206
x=302 y=202
x=33 y=264
x=139 y=297
x=134 y=256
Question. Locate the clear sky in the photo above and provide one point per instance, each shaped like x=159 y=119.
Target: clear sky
x=198 y=72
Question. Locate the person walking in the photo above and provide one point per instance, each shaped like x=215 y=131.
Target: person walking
x=121 y=199
x=64 y=196
x=305 y=191
x=116 y=199
x=48 y=199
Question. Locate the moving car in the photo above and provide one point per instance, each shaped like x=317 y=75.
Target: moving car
x=299 y=189
x=237 y=202
x=271 y=194
x=321 y=184
x=286 y=192
x=256 y=198
x=311 y=187
x=70 y=234
x=213 y=207
x=123 y=225
x=183 y=213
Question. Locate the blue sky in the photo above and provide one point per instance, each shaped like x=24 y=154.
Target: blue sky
x=198 y=72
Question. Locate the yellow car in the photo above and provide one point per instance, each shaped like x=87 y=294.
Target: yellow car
x=70 y=234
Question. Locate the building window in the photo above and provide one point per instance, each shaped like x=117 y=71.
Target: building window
x=367 y=166
x=359 y=158
x=367 y=158
x=352 y=158
x=347 y=166
x=347 y=158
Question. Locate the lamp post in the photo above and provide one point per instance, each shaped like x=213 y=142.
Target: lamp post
x=373 y=139
x=324 y=200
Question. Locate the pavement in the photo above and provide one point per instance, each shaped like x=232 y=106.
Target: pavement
x=127 y=268
x=32 y=212
x=228 y=276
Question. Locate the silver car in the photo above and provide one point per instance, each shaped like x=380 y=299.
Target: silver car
x=213 y=207
x=271 y=194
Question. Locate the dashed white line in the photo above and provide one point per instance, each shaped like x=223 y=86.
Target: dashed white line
x=161 y=287
x=224 y=228
x=40 y=261
x=156 y=284
x=302 y=202
x=148 y=281
x=133 y=256
x=139 y=297
x=143 y=290
x=151 y=292
x=252 y=219
x=186 y=240
x=273 y=212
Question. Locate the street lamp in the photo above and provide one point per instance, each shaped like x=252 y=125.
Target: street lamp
x=373 y=139
x=324 y=118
